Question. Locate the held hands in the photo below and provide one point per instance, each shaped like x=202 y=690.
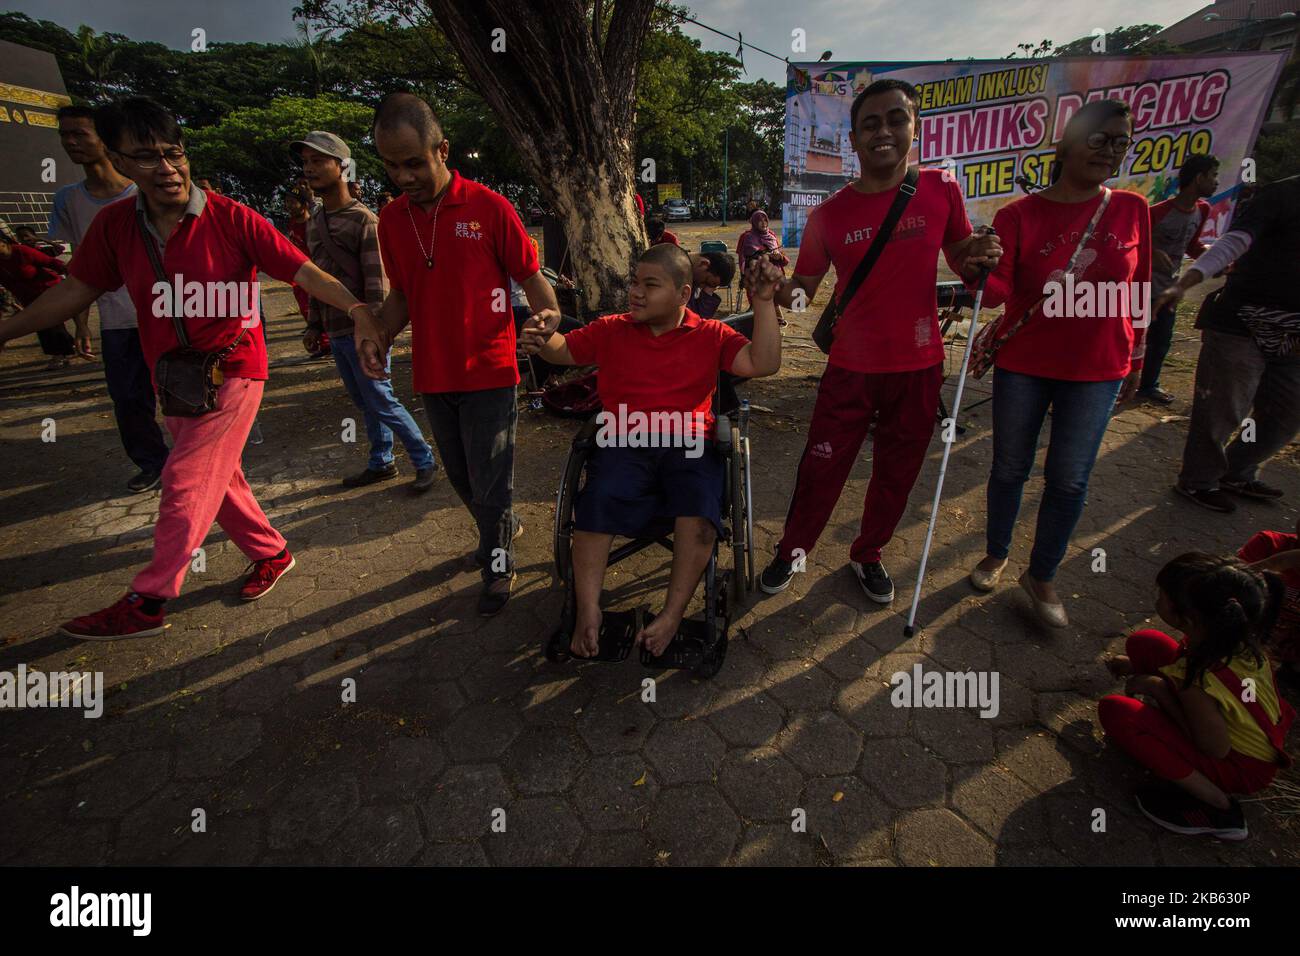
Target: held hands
x=1129 y=388
x=983 y=252
x=762 y=277
x=311 y=340
x=373 y=342
x=1171 y=296
x=83 y=345
x=539 y=328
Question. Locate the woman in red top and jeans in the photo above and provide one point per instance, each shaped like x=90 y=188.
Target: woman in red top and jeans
x=1077 y=352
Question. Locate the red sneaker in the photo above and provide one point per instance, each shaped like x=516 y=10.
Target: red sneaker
x=126 y=618
x=264 y=574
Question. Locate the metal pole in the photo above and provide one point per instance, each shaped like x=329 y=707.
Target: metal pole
x=726 y=149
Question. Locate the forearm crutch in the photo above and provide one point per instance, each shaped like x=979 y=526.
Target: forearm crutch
x=909 y=629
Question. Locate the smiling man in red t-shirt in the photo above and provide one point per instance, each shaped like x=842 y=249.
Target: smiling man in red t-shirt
x=450 y=248
x=887 y=359
x=211 y=244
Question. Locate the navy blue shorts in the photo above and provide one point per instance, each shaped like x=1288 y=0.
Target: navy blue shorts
x=633 y=491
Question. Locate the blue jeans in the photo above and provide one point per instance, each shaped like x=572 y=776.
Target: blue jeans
x=1159 y=337
x=1080 y=414
x=384 y=414
x=131 y=389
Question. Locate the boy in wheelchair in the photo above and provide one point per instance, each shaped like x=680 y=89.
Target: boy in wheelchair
x=658 y=368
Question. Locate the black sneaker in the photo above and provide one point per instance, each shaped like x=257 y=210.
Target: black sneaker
x=1183 y=813
x=776 y=577
x=874 y=580
x=1157 y=395
x=370 y=476
x=1253 y=489
x=145 y=481
x=494 y=595
x=1214 y=499
x=423 y=479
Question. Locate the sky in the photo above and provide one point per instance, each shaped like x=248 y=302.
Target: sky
x=850 y=29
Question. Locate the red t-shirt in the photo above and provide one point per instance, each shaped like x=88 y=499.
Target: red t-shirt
x=28 y=272
x=1286 y=630
x=675 y=371
x=1038 y=237
x=226 y=243
x=892 y=324
x=462 y=328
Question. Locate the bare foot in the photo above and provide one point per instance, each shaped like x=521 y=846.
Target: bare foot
x=991 y=563
x=1119 y=666
x=659 y=633
x=586 y=634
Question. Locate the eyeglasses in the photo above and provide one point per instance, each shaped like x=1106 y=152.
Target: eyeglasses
x=1100 y=141
x=175 y=157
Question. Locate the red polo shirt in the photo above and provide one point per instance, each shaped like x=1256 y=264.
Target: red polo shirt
x=217 y=241
x=675 y=371
x=28 y=272
x=462 y=329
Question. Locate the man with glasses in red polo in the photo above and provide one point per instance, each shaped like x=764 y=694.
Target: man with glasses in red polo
x=209 y=243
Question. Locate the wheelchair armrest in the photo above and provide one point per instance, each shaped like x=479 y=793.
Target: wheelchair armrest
x=722 y=432
x=586 y=436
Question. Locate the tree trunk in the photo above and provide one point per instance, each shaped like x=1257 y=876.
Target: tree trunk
x=567 y=102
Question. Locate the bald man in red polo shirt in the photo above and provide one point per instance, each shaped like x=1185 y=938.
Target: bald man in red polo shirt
x=450 y=248
x=208 y=244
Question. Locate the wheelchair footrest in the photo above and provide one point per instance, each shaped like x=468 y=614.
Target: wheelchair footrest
x=690 y=648
x=617 y=632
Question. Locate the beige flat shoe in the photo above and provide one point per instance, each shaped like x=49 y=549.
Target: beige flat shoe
x=1053 y=615
x=982 y=580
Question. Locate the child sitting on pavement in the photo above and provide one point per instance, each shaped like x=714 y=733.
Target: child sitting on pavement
x=1215 y=723
x=658 y=363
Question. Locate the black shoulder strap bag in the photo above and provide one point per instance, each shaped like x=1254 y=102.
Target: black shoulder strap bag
x=824 y=334
x=187 y=378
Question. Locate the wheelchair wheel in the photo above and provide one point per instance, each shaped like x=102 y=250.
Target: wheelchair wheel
x=751 y=580
x=562 y=545
x=717 y=620
x=742 y=524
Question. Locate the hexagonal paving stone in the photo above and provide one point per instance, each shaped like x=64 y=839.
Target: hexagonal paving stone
x=821 y=743
x=1035 y=667
x=761 y=784
x=120 y=784
x=497 y=677
x=684 y=751
x=904 y=773
x=376 y=836
x=1038 y=758
x=1000 y=805
x=462 y=802
x=555 y=698
x=232 y=839
x=680 y=694
x=800 y=685
x=482 y=731
x=694 y=826
x=1126 y=841
x=847 y=818
x=544 y=759
x=453 y=854
x=539 y=831
x=867 y=705
x=313 y=810
x=775 y=844
x=223 y=744
x=746 y=717
x=156 y=827
x=1073 y=719
x=941 y=838
x=959 y=736
x=611 y=726
x=847 y=656
x=625 y=848
x=607 y=795
x=259 y=691
x=405 y=769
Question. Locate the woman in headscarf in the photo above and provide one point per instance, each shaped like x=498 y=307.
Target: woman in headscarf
x=759 y=239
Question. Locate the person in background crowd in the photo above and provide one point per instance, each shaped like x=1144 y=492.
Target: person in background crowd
x=343 y=237
x=450 y=247
x=1176 y=226
x=886 y=363
x=26 y=273
x=709 y=271
x=658 y=232
x=197 y=238
x=27 y=236
x=1078 y=366
x=1279 y=552
x=298 y=204
x=1201 y=732
x=1249 y=362
x=130 y=386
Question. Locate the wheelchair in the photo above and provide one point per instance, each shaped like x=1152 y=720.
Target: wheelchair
x=700 y=644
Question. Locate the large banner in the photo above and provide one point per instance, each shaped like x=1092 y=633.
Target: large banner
x=34 y=164
x=995 y=121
